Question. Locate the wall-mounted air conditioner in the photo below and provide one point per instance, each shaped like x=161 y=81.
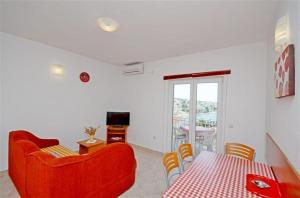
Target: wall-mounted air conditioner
x=133 y=69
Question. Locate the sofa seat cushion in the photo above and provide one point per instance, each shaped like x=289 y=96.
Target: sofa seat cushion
x=59 y=151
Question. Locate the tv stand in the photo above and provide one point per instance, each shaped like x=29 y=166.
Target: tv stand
x=116 y=134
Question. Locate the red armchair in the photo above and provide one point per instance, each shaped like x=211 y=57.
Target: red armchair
x=108 y=172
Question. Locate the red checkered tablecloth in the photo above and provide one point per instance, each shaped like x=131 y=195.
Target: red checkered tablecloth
x=217 y=175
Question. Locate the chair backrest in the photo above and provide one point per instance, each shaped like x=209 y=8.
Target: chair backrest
x=170 y=161
x=240 y=150
x=185 y=151
x=172 y=166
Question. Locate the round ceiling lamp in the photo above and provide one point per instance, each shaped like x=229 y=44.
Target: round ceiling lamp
x=107 y=24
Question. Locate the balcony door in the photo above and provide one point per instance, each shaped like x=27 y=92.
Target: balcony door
x=196 y=116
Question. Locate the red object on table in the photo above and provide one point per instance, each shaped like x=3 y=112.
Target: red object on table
x=217 y=175
x=272 y=191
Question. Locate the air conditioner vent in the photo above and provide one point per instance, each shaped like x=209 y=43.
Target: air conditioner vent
x=134 y=69
x=133 y=63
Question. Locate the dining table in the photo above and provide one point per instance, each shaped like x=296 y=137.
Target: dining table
x=217 y=175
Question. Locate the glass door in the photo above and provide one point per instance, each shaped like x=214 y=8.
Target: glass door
x=196 y=106
x=206 y=115
x=180 y=114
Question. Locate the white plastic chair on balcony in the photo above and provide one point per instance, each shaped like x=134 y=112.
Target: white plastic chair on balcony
x=180 y=137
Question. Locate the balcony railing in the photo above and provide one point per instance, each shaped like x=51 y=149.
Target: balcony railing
x=205 y=134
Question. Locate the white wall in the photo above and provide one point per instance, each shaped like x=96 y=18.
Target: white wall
x=35 y=100
x=245 y=96
x=283 y=115
x=1 y=109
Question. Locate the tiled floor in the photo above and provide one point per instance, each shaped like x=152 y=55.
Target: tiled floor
x=150 y=179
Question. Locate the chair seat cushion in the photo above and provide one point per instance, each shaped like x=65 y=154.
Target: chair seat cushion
x=59 y=151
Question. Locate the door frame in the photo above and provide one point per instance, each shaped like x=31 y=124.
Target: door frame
x=222 y=95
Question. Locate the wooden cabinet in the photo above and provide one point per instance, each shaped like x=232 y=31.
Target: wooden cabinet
x=85 y=147
x=116 y=134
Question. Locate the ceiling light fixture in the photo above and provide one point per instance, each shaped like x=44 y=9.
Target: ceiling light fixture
x=57 y=70
x=107 y=24
x=282 y=33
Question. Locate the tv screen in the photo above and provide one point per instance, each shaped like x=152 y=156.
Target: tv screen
x=118 y=118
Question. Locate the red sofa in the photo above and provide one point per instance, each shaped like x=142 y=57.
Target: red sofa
x=108 y=172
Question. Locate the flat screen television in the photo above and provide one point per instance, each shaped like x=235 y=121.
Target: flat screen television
x=118 y=118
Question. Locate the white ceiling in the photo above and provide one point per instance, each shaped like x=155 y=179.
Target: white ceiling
x=149 y=30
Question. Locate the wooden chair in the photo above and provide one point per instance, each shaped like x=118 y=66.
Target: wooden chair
x=186 y=154
x=172 y=166
x=240 y=150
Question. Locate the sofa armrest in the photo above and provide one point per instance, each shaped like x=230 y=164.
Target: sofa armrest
x=27 y=146
x=42 y=143
x=38 y=174
x=26 y=135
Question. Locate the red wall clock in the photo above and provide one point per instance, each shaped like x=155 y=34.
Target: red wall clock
x=84 y=77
